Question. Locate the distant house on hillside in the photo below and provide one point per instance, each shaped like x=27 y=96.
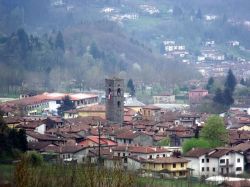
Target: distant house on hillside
x=196 y=96
x=164 y=99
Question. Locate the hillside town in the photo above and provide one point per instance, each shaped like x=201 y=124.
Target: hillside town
x=119 y=93
x=121 y=132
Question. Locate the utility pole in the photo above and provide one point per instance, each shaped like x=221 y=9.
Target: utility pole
x=99 y=144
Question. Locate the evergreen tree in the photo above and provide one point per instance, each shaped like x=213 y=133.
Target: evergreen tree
x=243 y=82
x=23 y=144
x=218 y=98
x=24 y=42
x=131 y=87
x=59 y=43
x=227 y=97
x=199 y=14
x=230 y=81
x=210 y=84
x=95 y=52
x=67 y=104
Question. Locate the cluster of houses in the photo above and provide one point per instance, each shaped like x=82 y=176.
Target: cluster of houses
x=87 y=136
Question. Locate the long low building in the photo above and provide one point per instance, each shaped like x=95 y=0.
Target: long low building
x=49 y=102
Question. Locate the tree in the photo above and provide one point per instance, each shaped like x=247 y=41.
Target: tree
x=199 y=14
x=195 y=143
x=218 y=98
x=210 y=84
x=67 y=104
x=177 y=11
x=243 y=82
x=227 y=96
x=230 y=81
x=215 y=132
x=164 y=142
x=131 y=87
x=24 y=42
x=59 y=43
x=94 y=51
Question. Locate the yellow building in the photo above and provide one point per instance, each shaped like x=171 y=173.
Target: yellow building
x=244 y=128
x=150 y=112
x=94 y=110
x=170 y=166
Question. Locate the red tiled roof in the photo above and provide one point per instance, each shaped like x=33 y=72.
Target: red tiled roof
x=151 y=107
x=197 y=152
x=168 y=160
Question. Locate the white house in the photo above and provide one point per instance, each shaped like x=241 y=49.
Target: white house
x=212 y=162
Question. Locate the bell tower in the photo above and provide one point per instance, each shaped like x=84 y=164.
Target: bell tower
x=114 y=89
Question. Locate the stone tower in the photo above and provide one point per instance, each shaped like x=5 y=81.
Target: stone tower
x=114 y=89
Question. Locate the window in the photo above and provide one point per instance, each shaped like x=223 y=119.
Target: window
x=150 y=156
x=118 y=104
x=163 y=155
x=123 y=154
x=202 y=169
x=162 y=165
x=207 y=160
x=174 y=165
x=154 y=165
x=157 y=156
x=213 y=169
x=203 y=160
x=207 y=168
x=222 y=161
x=238 y=169
x=182 y=165
x=238 y=160
x=119 y=154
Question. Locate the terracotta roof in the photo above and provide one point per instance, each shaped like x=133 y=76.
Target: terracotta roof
x=140 y=149
x=43 y=137
x=168 y=160
x=242 y=147
x=63 y=148
x=199 y=90
x=197 y=152
x=129 y=135
x=51 y=96
x=95 y=139
x=151 y=107
x=37 y=145
x=94 y=108
x=219 y=153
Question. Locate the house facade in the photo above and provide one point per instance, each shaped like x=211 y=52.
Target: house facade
x=212 y=162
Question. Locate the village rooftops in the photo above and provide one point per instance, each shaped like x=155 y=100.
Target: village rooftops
x=199 y=90
x=197 y=152
x=219 y=153
x=94 y=108
x=242 y=147
x=63 y=148
x=133 y=102
x=51 y=97
x=168 y=160
x=129 y=134
x=140 y=149
x=151 y=107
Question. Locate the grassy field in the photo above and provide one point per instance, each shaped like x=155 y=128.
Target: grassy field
x=149 y=182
